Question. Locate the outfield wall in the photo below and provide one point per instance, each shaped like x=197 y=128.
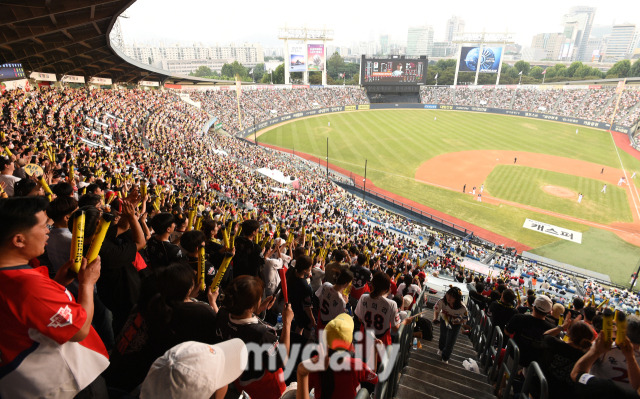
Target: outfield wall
x=538 y=115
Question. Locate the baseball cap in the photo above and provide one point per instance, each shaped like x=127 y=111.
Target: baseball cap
x=543 y=304
x=194 y=370
x=407 y=300
x=339 y=332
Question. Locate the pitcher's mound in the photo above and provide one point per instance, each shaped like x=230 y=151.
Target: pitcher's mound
x=559 y=191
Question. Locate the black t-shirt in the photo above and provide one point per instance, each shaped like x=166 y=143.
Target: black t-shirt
x=119 y=284
x=528 y=332
x=300 y=294
x=556 y=360
x=501 y=313
x=588 y=386
x=162 y=253
x=247 y=260
x=141 y=344
x=254 y=331
x=361 y=276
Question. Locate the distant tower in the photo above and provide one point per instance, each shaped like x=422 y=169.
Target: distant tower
x=577 y=29
x=419 y=40
x=454 y=25
x=116 y=34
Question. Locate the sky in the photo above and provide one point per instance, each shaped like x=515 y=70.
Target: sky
x=209 y=22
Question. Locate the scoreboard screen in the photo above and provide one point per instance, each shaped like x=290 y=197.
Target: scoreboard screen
x=11 y=71
x=395 y=71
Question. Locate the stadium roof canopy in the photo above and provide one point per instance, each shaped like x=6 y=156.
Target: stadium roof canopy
x=71 y=37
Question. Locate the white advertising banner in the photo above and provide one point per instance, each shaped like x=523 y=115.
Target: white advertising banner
x=149 y=83
x=552 y=230
x=72 y=79
x=100 y=81
x=43 y=77
x=14 y=84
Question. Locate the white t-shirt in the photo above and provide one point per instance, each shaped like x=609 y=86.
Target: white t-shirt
x=612 y=365
x=332 y=303
x=377 y=314
x=455 y=316
x=413 y=290
x=9 y=180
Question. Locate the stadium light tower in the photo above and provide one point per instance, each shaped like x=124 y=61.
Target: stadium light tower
x=309 y=37
x=481 y=40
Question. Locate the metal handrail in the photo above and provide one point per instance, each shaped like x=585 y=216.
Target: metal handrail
x=512 y=355
x=534 y=373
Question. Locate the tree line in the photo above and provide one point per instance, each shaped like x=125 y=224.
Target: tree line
x=339 y=71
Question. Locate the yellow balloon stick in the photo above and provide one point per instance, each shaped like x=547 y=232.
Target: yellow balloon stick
x=45 y=187
x=621 y=327
x=223 y=268
x=77 y=242
x=201 y=267
x=96 y=241
x=6 y=149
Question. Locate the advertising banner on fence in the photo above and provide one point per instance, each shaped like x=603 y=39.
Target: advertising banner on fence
x=315 y=57
x=297 y=59
x=43 y=77
x=100 y=81
x=552 y=230
x=72 y=79
x=489 y=60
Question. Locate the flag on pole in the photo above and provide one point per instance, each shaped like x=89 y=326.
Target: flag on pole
x=520 y=73
x=436 y=77
x=544 y=72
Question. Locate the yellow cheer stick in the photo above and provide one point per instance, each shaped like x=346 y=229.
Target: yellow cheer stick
x=97 y=240
x=9 y=153
x=201 y=266
x=621 y=327
x=46 y=187
x=192 y=215
x=77 y=242
x=223 y=268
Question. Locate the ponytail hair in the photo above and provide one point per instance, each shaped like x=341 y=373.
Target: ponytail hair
x=242 y=294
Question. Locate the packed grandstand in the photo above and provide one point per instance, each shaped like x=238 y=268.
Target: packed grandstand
x=143 y=156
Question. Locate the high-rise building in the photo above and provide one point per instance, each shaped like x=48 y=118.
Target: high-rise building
x=550 y=43
x=454 y=25
x=577 y=29
x=620 y=43
x=419 y=40
x=384 y=45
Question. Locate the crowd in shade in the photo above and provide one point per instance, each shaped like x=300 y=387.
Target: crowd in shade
x=261 y=105
x=596 y=104
x=202 y=256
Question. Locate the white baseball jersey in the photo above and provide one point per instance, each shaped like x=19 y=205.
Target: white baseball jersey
x=332 y=303
x=377 y=314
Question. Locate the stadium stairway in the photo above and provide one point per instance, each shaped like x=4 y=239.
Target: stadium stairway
x=427 y=377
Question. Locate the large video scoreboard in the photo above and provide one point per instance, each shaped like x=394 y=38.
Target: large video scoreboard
x=393 y=71
x=11 y=71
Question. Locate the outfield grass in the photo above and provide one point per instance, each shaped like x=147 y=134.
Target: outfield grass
x=524 y=185
x=397 y=142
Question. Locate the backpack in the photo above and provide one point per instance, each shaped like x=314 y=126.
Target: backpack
x=425 y=326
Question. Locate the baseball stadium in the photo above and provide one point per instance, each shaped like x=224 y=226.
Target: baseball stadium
x=300 y=235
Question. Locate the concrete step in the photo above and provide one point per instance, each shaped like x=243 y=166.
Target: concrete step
x=473 y=379
x=456 y=357
x=430 y=388
x=459 y=350
x=434 y=361
x=453 y=383
x=405 y=392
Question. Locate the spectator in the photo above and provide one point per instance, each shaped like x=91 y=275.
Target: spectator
x=450 y=313
x=41 y=321
x=528 y=329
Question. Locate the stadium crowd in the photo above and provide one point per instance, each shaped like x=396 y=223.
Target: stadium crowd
x=193 y=251
x=597 y=104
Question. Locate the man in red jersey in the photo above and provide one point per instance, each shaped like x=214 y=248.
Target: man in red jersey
x=47 y=345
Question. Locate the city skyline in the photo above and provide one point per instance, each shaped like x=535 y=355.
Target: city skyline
x=149 y=21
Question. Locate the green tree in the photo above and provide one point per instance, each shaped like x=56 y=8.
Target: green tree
x=335 y=65
x=258 y=72
x=202 y=72
x=278 y=74
x=229 y=71
x=620 y=69
x=635 y=69
x=571 y=71
x=536 y=72
x=315 y=78
x=582 y=71
x=523 y=66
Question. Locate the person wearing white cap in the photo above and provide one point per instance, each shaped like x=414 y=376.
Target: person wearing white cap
x=194 y=370
x=528 y=329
